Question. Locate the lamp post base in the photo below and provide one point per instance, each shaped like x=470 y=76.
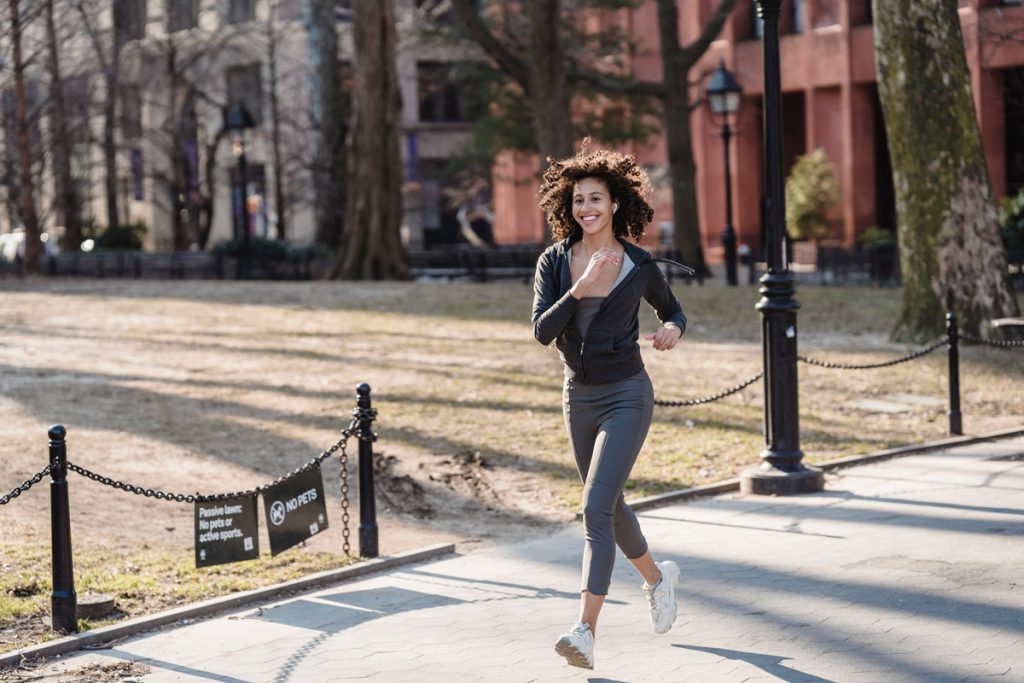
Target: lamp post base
x=766 y=480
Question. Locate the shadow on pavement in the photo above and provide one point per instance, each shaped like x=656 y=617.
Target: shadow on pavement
x=771 y=664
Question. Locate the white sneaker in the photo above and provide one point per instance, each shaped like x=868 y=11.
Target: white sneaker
x=662 y=597
x=577 y=646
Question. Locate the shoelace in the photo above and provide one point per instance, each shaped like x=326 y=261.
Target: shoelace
x=580 y=629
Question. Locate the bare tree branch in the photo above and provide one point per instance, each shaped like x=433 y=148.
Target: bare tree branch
x=507 y=61
x=613 y=84
x=693 y=52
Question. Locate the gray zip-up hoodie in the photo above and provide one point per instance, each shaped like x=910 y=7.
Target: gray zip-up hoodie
x=610 y=350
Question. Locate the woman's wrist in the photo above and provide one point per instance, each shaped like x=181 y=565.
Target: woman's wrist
x=675 y=327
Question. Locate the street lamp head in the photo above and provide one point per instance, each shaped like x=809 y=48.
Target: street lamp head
x=723 y=93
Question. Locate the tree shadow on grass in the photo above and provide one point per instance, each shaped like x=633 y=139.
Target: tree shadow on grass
x=436 y=368
x=217 y=428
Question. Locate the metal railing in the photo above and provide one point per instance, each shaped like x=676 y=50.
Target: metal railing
x=63 y=597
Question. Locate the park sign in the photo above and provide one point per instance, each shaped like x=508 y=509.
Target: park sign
x=295 y=509
x=227 y=530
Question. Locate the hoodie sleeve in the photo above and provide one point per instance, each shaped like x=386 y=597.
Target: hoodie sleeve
x=550 y=315
x=659 y=295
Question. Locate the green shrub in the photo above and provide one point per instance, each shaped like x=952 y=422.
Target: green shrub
x=876 y=237
x=125 y=237
x=1011 y=225
x=812 y=193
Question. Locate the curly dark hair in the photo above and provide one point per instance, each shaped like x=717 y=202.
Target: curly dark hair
x=627 y=183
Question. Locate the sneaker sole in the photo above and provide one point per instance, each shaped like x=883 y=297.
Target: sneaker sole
x=573 y=655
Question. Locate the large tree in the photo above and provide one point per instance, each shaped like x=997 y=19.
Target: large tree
x=673 y=91
x=545 y=71
x=371 y=246
x=949 y=241
x=536 y=63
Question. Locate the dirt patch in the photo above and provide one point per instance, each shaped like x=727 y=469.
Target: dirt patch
x=221 y=386
x=123 y=672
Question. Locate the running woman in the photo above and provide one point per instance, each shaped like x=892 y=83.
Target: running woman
x=587 y=293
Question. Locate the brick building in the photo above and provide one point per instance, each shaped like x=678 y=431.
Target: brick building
x=830 y=100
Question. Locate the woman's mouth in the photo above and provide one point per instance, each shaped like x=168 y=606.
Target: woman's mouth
x=587 y=220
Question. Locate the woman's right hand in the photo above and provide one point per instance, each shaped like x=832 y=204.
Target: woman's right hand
x=598 y=261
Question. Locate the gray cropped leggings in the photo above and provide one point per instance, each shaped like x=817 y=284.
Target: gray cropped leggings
x=607 y=425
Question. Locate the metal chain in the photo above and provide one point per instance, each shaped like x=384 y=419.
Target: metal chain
x=708 y=399
x=28 y=483
x=361 y=416
x=992 y=342
x=867 y=366
x=203 y=498
x=346 y=544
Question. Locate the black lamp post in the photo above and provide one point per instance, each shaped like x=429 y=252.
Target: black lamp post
x=782 y=470
x=723 y=96
x=238 y=122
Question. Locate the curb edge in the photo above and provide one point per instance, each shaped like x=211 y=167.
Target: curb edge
x=105 y=634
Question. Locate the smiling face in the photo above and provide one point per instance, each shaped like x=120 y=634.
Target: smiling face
x=592 y=205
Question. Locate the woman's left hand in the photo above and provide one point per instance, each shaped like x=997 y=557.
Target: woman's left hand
x=665 y=338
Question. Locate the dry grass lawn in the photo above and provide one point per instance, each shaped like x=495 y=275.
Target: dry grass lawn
x=215 y=386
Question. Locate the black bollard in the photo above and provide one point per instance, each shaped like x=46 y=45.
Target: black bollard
x=367 y=499
x=955 y=424
x=63 y=600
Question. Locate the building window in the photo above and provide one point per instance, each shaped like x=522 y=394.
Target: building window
x=182 y=15
x=797 y=16
x=245 y=85
x=440 y=95
x=241 y=11
x=860 y=12
x=826 y=12
x=129 y=20
x=131 y=112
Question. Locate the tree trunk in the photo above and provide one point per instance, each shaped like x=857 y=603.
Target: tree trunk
x=949 y=240
x=206 y=204
x=109 y=143
x=68 y=202
x=676 y=103
x=275 y=129
x=178 y=183
x=549 y=90
x=26 y=189
x=331 y=119
x=111 y=75
x=371 y=245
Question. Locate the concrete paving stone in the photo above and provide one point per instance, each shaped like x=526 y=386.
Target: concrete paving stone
x=858 y=589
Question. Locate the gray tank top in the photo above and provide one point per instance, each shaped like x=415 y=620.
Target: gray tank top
x=585 y=312
x=587 y=308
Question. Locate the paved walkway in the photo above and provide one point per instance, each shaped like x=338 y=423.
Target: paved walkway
x=909 y=570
